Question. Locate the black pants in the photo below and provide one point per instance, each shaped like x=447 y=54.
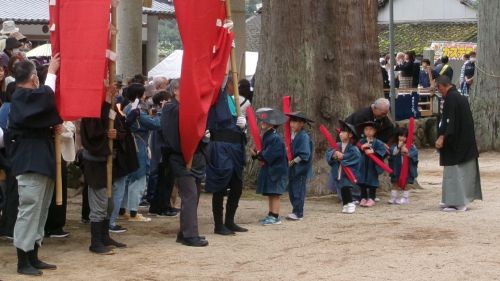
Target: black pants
x=160 y=202
x=189 y=192
x=85 y=202
x=9 y=213
x=346 y=195
x=368 y=191
x=233 y=198
x=56 y=219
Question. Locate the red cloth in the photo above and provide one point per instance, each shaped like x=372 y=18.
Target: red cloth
x=206 y=48
x=54 y=35
x=82 y=31
x=287 y=108
x=254 y=128
x=403 y=176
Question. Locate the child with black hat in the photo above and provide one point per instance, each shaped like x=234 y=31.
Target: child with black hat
x=347 y=155
x=369 y=171
x=398 y=151
x=274 y=171
x=301 y=164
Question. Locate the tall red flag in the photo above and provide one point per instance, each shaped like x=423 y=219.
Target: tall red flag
x=80 y=31
x=403 y=176
x=206 y=41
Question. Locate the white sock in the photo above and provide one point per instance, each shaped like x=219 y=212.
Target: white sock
x=406 y=194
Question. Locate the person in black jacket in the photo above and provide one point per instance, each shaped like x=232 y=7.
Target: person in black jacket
x=33 y=121
x=458 y=150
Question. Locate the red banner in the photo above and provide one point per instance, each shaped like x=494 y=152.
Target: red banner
x=206 y=41
x=80 y=31
x=403 y=176
x=287 y=108
x=254 y=128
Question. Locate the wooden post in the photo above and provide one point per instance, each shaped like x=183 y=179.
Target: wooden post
x=57 y=143
x=112 y=80
x=234 y=70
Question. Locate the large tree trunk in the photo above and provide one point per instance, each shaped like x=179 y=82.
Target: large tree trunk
x=323 y=53
x=485 y=101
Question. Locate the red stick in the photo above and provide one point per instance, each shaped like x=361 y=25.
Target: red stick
x=287 y=108
x=403 y=176
x=254 y=128
x=377 y=161
x=348 y=172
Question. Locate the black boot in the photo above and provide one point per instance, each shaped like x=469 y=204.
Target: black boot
x=96 y=245
x=230 y=213
x=36 y=263
x=24 y=266
x=106 y=239
x=218 y=210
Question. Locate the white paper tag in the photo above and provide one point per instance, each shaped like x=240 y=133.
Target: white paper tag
x=111 y=55
x=52 y=2
x=112 y=114
x=135 y=104
x=53 y=27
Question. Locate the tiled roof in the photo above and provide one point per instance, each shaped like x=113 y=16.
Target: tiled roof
x=37 y=11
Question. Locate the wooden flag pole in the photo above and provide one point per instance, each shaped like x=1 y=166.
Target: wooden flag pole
x=233 y=66
x=112 y=80
x=57 y=144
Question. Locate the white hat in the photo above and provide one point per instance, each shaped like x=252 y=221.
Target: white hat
x=9 y=27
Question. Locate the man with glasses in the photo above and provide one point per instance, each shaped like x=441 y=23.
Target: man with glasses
x=378 y=113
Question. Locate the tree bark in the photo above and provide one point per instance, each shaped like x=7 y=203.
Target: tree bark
x=129 y=38
x=485 y=103
x=323 y=54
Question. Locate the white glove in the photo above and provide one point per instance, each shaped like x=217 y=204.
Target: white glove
x=241 y=122
x=207 y=134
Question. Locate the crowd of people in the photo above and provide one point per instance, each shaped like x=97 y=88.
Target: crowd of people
x=411 y=73
x=149 y=167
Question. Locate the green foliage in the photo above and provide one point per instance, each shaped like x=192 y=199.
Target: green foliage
x=168 y=38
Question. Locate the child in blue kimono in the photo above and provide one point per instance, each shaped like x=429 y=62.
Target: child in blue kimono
x=301 y=164
x=347 y=155
x=273 y=174
x=369 y=171
x=397 y=151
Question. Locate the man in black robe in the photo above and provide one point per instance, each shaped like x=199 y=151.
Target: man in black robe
x=378 y=113
x=33 y=121
x=458 y=150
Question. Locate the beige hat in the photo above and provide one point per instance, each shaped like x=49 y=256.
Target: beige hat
x=9 y=27
x=18 y=35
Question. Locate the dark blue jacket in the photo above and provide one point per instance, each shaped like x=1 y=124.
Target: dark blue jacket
x=396 y=163
x=302 y=147
x=273 y=174
x=351 y=159
x=368 y=170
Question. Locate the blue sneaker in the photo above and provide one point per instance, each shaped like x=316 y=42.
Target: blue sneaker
x=271 y=221
x=264 y=219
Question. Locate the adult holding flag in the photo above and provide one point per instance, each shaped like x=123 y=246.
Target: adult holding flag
x=33 y=121
x=206 y=39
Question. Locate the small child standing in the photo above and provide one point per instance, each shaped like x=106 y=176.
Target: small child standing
x=301 y=164
x=274 y=171
x=348 y=156
x=398 y=151
x=369 y=171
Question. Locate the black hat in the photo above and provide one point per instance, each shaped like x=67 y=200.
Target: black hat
x=12 y=43
x=361 y=126
x=346 y=126
x=271 y=116
x=299 y=115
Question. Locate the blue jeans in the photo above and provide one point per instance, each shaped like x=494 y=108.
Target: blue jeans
x=297 y=194
x=135 y=191
x=119 y=187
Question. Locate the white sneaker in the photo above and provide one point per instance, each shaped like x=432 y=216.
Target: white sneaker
x=344 y=209
x=293 y=217
x=442 y=205
x=351 y=208
x=394 y=196
x=402 y=201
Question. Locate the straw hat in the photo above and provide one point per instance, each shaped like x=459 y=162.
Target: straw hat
x=9 y=27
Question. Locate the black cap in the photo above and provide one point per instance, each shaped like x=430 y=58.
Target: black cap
x=361 y=126
x=349 y=127
x=271 y=116
x=12 y=43
x=300 y=116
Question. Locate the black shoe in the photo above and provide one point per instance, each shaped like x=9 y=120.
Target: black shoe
x=194 y=242
x=59 y=233
x=36 y=263
x=180 y=237
x=223 y=230
x=236 y=228
x=24 y=266
x=122 y=211
x=106 y=239
x=117 y=229
x=96 y=245
x=169 y=213
x=85 y=221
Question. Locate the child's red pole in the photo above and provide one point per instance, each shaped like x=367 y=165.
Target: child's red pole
x=287 y=108
x=254 y=128
x=378 y=161
x=403 y=176
x=348 y=172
